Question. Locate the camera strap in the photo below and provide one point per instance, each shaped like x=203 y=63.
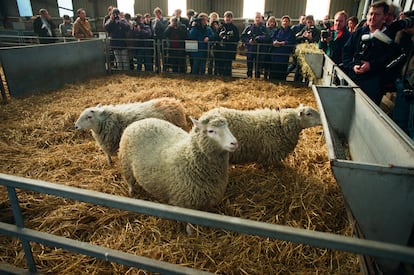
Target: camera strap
x=404 y=75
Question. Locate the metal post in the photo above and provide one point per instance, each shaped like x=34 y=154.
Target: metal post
x=20 y=223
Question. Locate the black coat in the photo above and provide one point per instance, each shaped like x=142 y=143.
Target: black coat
x=42 y=32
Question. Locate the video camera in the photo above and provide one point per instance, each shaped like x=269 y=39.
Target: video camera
x=325 y=34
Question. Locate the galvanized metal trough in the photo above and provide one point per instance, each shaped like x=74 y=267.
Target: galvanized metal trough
x=372 y=161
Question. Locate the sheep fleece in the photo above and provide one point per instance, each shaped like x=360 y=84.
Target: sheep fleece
x=179 y=168
x=115 y=118
x=265 y=136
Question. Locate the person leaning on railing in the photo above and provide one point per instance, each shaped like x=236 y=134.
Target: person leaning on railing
x=143 y=44
x=283 y=42
x=201 y=33
x=65 y=28
x=176 y=33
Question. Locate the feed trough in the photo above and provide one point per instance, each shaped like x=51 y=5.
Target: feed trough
x=372 y=161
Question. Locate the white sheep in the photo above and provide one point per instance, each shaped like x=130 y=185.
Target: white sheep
x=179 y=168
x=107 y=122
x=267 y=136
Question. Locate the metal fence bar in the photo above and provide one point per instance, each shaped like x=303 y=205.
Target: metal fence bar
x=96 y=251
x=314 y=238
x=20 y=225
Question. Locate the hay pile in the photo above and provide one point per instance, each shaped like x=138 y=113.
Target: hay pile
x=38 y=140
x=300 y=51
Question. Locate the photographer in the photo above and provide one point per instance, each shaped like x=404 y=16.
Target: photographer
x=228 y=36
x=403 y=112
x=333 y=39
x=365 y=58
x=118 y=29
x=44 y=27
x=310 y=33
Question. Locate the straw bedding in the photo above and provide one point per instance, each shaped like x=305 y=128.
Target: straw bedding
x=38 y=140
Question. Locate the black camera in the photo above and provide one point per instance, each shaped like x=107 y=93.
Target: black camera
x=226 y=35
x=116 y=13
x=311 y=29
x=325 y=33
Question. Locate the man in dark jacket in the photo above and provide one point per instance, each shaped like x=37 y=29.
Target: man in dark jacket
x=333 y=39
x=118 y=28
x=176 y=33
x=202 y=34
x=365 y=57
x=44 y=27
x=228 y=36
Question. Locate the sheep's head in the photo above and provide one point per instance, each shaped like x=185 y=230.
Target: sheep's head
x=215 y=127
x=88 y=118
x=308 y=116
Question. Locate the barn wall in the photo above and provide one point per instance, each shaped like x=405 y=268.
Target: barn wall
x=236 y=6
x=50 y=5
x=200 y=6
x=293 y=8
x=94 y=9
x=350 y=6
x=143 y=6
x=72 y=62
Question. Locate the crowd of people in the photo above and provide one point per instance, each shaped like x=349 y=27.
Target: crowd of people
x=376 y=53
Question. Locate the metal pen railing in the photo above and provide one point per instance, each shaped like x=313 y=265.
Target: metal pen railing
x=280 y=232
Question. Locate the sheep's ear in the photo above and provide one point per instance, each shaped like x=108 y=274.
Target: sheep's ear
x=196 y=122
x=99 y=105
x=97 y=111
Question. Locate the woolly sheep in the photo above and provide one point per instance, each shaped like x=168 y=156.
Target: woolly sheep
x=107 y=122
x=179 y=168
x=267 y=136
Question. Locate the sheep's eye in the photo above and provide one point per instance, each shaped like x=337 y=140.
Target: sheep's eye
x=308 y=114
x=211 y=131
